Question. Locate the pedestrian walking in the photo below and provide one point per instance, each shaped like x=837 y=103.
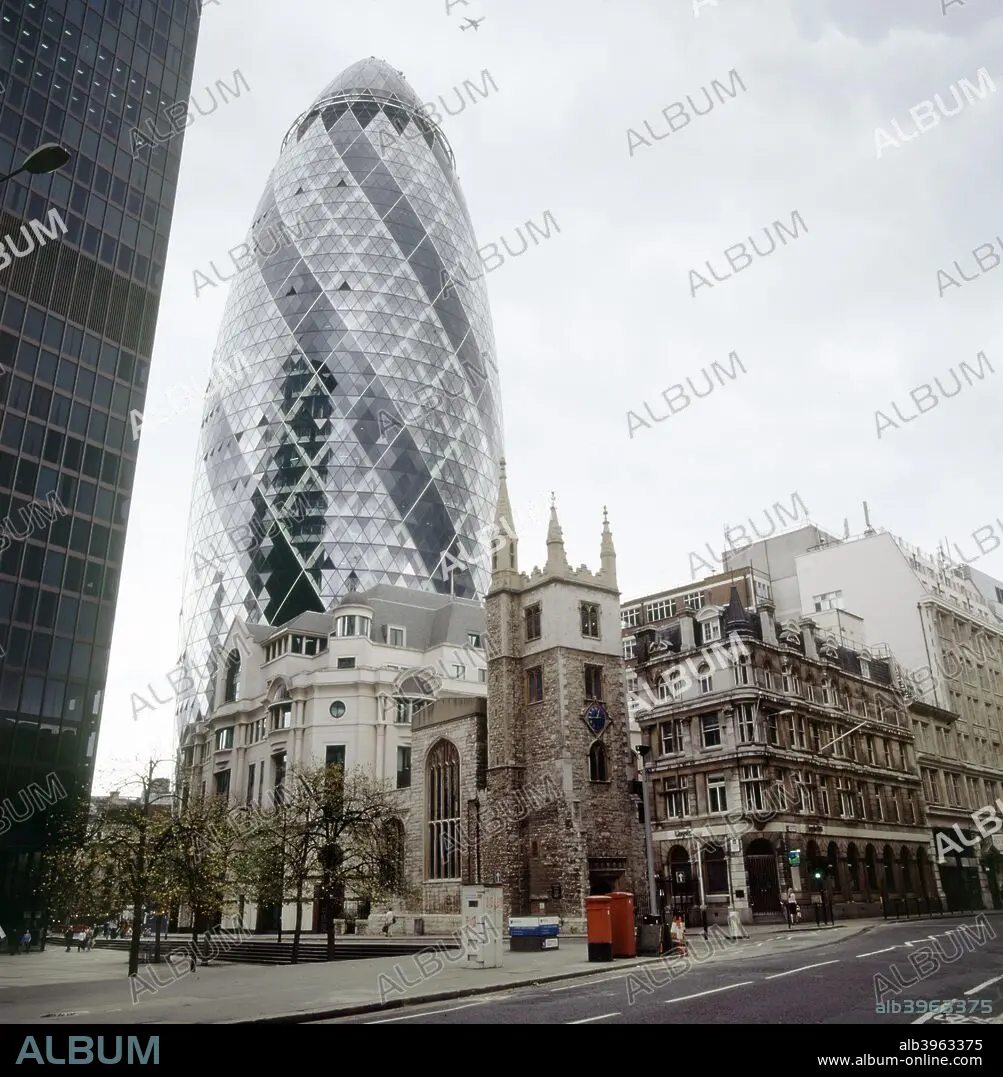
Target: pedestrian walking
x=68 y=938
x=792 y=908
x=90 y=938
x=81 y=941
x=388 y=922
x=26 y=940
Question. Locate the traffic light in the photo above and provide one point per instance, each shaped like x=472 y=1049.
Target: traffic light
x=818 y=874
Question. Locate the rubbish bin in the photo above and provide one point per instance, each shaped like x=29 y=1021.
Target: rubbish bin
x=622 y=924
x=649 y=935
x=533 y=934
x=599 y=923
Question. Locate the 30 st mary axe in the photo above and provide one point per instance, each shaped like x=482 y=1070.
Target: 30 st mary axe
x=352 y=431
x=78 y=312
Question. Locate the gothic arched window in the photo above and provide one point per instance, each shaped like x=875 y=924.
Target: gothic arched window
x=232 y=687
x=597 y=763
x=442 y=799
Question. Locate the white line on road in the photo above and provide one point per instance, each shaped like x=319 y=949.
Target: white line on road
x=601 y=1017
x=427 y=1013
x=713 y=991
x=926 y=1017
x=589 y=983
x=886 y=950
x=804 y=968
x=975 y=990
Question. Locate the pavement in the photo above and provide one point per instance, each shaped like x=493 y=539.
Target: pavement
x=93 y=987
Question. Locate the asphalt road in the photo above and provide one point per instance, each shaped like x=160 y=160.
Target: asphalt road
x=776 y=982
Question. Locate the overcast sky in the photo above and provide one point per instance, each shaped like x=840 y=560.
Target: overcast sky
x=599 y=320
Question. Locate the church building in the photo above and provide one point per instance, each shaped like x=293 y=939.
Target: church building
x=534 y=788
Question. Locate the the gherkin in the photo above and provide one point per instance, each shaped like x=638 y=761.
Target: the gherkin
x=353 y=421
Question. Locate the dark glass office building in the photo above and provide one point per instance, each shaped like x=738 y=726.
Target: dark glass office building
x=79 y=291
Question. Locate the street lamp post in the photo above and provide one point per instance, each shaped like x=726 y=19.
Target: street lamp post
x=49 y=157
x=642 y=751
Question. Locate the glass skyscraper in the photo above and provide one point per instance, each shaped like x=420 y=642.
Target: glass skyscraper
x=352 y=431
x=78 y=309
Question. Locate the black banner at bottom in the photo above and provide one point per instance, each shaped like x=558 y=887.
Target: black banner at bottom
x=833 y=1047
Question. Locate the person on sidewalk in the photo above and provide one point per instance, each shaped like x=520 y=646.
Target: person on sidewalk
x=90 y=938
x=81 y=941
x=792 y=908
x=68 y=938
x=388 y=922
x=26 y=940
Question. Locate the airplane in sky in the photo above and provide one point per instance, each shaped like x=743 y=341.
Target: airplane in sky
x=473 y=24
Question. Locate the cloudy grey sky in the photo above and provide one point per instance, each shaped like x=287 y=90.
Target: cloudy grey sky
x=599 y=320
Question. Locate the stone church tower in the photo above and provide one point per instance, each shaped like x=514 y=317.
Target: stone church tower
x=557 y=731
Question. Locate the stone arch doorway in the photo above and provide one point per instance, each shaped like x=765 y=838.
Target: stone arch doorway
x=853 y=868
x=681 y=895
x=871 y=870
x=832 y=880
x=763 y=880
x=905 y=868
x=888 y=885
x=924 y=880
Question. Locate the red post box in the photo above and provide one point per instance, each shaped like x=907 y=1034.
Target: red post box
x=622 y=924
x=599 y=923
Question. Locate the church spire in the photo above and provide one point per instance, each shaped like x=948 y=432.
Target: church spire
x=505 y=542
x=557 y=559
x=607 y=555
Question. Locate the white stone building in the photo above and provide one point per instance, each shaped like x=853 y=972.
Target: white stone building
x=333 y=688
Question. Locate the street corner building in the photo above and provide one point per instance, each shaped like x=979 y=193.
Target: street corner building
x=352 y=427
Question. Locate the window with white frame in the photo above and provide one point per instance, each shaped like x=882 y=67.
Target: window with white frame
x=711 y=631
x=693 y=601
x=828 y=600
x=745 y=717
x=823 y=795
x=753 y=788
x=671 y=734
x=459 y=672
x=717 y=794
x=630 y=618
x=660 y=610
x=482 y=675
x=800 y=732
x=710 y=731
x=677 y=797
x=395 y=636
x=806 y=795
x=631 y=681
x=629 y=647
x=838 y=742
x=878 y=806
x=826 y=692
x=706 y=679
x=664 y=690
x=224 y=739
x=474 y=640
x=791 y=685
x=894 y=813
x=847 y=808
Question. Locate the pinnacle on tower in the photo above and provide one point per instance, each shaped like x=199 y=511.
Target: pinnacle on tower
x=557 y=559
x=505 y=542
x=607 y=555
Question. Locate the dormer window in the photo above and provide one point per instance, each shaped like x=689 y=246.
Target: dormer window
x=353 y=625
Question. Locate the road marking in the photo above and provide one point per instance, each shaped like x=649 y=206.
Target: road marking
x=589 y=983
x=975 y=990
x=804 y=968
x=713 y=991
x=926 y=1017
x=886 y=950
x=427 y=1013
x=601 y=1017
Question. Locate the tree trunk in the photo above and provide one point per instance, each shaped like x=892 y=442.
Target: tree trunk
x=329 y=904
x=299 y=922
x=138 y=899
x=156 y=941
